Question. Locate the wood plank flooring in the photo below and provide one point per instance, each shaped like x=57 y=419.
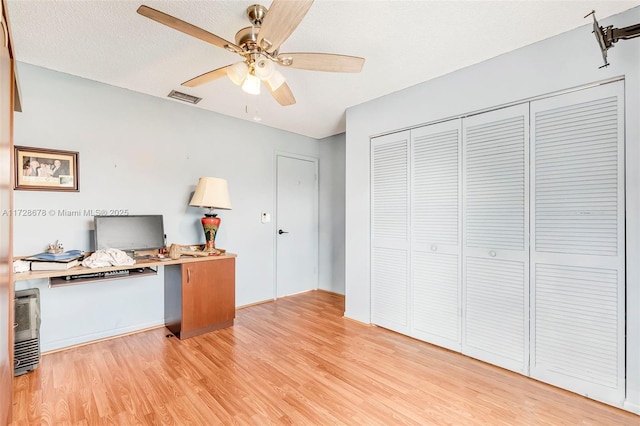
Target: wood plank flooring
x=293 y=361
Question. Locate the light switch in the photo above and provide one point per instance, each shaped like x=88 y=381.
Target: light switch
x=266 y=218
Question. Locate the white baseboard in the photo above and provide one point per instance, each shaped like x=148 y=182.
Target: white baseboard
x=632 y=406
x=90 y=338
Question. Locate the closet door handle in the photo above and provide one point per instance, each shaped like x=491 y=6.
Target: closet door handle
x=188 y=275
x=434 y=247
x=492 y=253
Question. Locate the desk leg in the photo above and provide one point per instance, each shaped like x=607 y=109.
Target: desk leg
x=173 y=298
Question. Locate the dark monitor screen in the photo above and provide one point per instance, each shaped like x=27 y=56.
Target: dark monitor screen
x=127 y=233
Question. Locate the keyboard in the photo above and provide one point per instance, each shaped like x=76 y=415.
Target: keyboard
x=98 y=275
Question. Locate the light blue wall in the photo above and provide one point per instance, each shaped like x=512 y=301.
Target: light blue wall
x=566 y=61
x=332 y=172
x=145 y=155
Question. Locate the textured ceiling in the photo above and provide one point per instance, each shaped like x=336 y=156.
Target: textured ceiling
x=404 y=43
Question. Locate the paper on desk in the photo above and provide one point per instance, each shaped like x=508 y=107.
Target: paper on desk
x=21 y=266
x=108 y=257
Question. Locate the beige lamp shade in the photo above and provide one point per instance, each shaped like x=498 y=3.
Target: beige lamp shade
x=212 y=193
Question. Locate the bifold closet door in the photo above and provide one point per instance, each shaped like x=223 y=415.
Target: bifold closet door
x=435 y=234
x=495 y=221
x=390 y=231
x=578 y=242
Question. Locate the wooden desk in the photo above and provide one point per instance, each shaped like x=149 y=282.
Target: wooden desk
x=199 y=292
x=142 y=263
x=199 y=296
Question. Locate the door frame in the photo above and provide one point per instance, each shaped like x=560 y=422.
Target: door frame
x=274 y=219
x=9 y=101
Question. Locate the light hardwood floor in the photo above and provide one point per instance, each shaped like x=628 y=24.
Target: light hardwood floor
x=293 y=361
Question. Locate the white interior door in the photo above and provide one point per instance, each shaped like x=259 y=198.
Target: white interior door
x=297 y=225
x=578 y=242
x=496 y=237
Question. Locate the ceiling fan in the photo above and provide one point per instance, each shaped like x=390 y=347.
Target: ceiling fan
x=259 y=47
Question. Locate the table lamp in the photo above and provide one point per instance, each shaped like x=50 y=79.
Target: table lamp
x=211 y=193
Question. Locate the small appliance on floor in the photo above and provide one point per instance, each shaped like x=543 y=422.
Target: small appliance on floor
x=26 y=331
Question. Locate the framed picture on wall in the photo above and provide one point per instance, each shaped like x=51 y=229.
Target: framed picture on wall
x=41 y=169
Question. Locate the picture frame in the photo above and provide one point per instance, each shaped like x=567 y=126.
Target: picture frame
x=41 y=169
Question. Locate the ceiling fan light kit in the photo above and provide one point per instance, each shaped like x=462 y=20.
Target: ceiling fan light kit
x=251 y=84
x=259 y=46
x=275 y=80
x=264 y=68
x=237 y=72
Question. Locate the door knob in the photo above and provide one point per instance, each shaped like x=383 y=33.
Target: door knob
x=282 y=232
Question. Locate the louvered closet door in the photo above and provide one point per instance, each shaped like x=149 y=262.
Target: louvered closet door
x=435 y=236
x=578 y=257
x=390 y=231
x=495 y=229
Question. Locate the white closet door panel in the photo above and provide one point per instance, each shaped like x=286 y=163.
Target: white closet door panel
x=435 y=236
x=495 y=267
x=435 y=184
x=577 y=334
x=390 y=190
x=390 y=231
x=495 y=179
x=576 y=150
x=578 y=262
x=436 y=298
x=494 y=321
x=390 y=283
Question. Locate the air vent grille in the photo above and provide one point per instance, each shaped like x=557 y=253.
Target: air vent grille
x=184 y=97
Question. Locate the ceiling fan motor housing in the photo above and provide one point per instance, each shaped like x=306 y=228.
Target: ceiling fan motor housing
x=256 y=14
x=246 y=38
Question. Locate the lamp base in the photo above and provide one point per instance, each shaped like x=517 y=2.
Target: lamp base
x=210 y=225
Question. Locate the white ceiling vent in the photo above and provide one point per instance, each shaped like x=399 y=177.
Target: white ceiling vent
x=184 y=97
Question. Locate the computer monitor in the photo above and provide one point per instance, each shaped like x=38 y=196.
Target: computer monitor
x=129 y=233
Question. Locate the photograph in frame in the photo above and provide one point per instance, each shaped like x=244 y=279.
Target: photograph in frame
x=43 y=169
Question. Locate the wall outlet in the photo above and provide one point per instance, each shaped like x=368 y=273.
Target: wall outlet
x=266 y=218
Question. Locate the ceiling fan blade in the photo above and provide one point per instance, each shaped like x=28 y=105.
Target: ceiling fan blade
x=186 y=27
x=322 y=62
x=282 y=19
x=207 y=77
x=282 y=94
